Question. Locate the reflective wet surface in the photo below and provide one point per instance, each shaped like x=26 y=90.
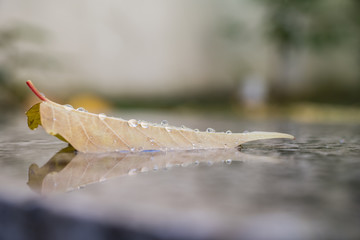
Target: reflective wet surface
x=307 y=188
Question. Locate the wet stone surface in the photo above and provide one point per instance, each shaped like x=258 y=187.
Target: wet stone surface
x=308 y=188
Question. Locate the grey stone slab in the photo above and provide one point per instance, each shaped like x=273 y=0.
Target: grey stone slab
x=302 y=189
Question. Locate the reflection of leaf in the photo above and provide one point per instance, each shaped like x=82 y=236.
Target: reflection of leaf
x=67 y=170
x=88 y=132
x=55 y=164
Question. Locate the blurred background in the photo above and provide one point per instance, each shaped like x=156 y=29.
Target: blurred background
x=298 y=59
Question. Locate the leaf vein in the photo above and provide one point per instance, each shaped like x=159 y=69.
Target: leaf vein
x=120 y=138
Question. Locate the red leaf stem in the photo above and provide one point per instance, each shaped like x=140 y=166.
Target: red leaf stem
x=37 y=93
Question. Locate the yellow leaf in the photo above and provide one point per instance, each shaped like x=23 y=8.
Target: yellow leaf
x=95 y=133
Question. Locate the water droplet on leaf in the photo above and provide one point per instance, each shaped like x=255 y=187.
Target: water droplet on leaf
x=81 y=109
x=164 y=123
x=102 y=116
x=132 y=123
x=144 y=124
x=68 y=107
x=210 y=130
x=228 y=132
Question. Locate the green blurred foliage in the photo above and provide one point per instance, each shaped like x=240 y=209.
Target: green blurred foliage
x=312 y=23
x=319 y=27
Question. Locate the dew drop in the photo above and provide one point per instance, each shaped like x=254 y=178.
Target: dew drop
x=196 y=130
x=155 y=168
x=164 y=123
x=81 y=109
x=196 y=162
x=144 y=124
x=228 y=161
x=228 y=132
x=132 y=171
x=68 y=107
x=102 y=116
x=132 y=123
x=210 y=130
x=183 y=127
x=132 y=149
